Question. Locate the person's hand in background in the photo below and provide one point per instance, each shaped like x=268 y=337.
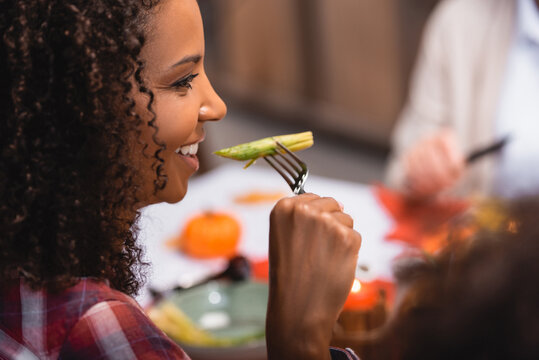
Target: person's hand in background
x=313 y=253
x=433 y=165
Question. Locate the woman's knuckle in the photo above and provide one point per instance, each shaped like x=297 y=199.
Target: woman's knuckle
x=342 y=233
x=283 y=207
x=284 y=204
x=356 y=240
x=303 y=209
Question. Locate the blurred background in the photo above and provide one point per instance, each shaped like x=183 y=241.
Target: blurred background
x=337 y=67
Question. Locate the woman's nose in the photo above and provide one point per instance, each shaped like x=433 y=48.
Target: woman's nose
x=213 y=108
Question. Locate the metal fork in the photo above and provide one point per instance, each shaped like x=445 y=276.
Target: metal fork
x=292 y=169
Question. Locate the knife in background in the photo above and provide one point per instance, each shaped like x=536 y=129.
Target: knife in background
x=490 y=149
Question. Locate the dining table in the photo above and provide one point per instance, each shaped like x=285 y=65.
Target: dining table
x=217 y=190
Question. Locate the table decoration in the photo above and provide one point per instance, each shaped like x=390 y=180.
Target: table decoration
x=367 y=305
x=209 y=235
x=421 y=224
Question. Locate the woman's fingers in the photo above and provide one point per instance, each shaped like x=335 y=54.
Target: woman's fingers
x=343 y=218
x=332 y=207
x=306 y=197
x=326 y=204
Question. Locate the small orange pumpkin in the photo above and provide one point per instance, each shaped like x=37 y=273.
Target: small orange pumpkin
x=211 y=235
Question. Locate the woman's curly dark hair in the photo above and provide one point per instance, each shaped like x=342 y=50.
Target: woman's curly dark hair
x=68 y=184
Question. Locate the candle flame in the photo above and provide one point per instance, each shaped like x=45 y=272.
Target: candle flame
x=356 y=286
x=512 y=227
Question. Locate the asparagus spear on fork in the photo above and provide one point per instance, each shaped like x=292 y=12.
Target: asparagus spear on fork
x=268 y=146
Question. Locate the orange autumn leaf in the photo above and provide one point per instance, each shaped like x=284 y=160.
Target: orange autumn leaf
x=257 y=197
x=424 y=224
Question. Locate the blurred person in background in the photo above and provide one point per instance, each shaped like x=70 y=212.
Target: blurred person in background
x=476 y=81
x=477 y=299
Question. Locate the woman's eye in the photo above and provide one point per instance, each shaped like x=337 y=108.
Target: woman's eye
x=184 y=83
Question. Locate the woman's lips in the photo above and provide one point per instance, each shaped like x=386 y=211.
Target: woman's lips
x=191 y=160
x=188 y=153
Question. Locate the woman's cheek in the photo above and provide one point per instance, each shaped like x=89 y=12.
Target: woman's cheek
x=177 y=119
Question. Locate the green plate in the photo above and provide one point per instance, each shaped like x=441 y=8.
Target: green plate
x=232 y=310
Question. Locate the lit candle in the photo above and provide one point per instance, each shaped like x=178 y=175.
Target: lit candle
x=363 y=296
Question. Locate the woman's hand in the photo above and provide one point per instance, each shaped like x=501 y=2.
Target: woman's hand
x=313 y=254
x=434 y=164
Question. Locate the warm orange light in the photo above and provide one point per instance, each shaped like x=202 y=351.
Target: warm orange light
x=362 y=296
x=512 y=227
x=356 y=286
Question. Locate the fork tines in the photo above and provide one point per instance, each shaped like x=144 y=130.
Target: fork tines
x=292 y=169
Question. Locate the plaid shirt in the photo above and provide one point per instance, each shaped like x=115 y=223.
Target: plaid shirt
x=87 y=321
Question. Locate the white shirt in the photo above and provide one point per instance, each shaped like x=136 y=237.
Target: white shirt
x=518 y=113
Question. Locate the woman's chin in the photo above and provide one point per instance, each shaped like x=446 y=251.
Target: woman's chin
x=172 y=193
x=173 y=196
x=175 y=200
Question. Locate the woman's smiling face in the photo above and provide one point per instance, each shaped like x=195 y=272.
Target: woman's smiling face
x=184 y=98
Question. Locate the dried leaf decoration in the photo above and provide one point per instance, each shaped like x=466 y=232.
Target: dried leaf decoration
x=424 y=225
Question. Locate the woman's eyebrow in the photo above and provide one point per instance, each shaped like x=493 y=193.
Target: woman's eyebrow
x=189 y=58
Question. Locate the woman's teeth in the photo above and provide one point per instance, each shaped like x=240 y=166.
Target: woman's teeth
x=187 y=149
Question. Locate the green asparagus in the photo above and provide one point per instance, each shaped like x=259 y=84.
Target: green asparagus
x=267 y=146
